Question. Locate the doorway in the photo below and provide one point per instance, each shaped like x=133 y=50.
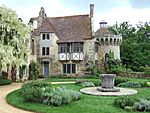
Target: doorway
x=46 y=69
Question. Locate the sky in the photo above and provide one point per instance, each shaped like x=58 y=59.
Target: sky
x=111 y=11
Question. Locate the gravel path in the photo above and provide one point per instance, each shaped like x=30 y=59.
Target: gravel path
x=4 y=106
x=5 y=90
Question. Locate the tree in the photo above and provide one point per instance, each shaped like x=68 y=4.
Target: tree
x=135 y=48
x=125 y=29
x=14 y=41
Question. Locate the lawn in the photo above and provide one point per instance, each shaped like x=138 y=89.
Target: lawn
x=87 y=103
x=55 y=79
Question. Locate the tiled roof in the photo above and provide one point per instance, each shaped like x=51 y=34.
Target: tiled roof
x=45 y=27
x=104 y=31
x=68 y=28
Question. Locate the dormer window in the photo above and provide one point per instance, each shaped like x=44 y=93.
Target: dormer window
x=46 y=36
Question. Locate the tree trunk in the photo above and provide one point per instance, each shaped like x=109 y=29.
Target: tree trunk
x=13 y=74
x=4 y=75
x=9 y=73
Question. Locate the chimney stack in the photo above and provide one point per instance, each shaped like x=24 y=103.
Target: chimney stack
x=91 y=10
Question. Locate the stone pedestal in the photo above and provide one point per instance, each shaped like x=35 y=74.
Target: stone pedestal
x=108 y=80
x=107 y=83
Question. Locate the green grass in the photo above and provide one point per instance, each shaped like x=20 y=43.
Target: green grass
x=87 y=104
x=53 y=79
x=59 y=79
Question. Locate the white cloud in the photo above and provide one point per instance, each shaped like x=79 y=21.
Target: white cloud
x=124 y=12
x=52 y=8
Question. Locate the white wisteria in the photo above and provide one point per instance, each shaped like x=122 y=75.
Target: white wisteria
x=14 y=40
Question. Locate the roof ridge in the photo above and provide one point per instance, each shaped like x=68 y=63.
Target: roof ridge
x=62 y=16
x=69 y=16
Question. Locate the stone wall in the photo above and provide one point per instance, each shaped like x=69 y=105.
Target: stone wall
x=89 y=50
x=55 y=68
x=134 y=75
x=103 y=49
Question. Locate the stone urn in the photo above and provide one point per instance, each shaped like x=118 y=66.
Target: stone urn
x=107 y=84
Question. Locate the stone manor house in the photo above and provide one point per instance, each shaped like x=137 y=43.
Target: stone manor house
x=68 y=45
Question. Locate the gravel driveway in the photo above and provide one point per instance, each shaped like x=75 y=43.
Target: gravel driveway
x=4 y=106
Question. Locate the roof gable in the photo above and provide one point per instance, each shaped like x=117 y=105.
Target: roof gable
x=45 y=27
x=68 y=28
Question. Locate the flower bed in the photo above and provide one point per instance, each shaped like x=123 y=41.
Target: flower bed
x=42 y=92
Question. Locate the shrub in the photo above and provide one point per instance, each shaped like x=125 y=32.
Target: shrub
x=147 y=84
x=34 y=70
x=96 y=82
x=142 y=105
x=66 y=98
x=97 y=75
x=22 y=71
x=5 y=82
x=32 y=91
x=147 y=70
x=87 y=84
x=130 y=84
x=144 y=83
x=41 y=92
x=128 y=108
x=32 y=94
x=75 y=95
x=46 y=97
x=56 y=100
x=130 y=103
x=98 y=72
x=124 y=101
x=59 y=96
x=84 y=83
x=119 y=80
x=118 y=69
x=78 y=82
x=36 y=83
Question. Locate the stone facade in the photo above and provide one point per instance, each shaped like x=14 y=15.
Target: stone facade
x=66 y=45
x=107 y=42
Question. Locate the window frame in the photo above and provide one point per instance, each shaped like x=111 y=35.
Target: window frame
x=43 y=36
x=68 y=68
x=64 y=48
x=45 y=51
x=46 y=36
x=77 y=47
x=32 y=47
